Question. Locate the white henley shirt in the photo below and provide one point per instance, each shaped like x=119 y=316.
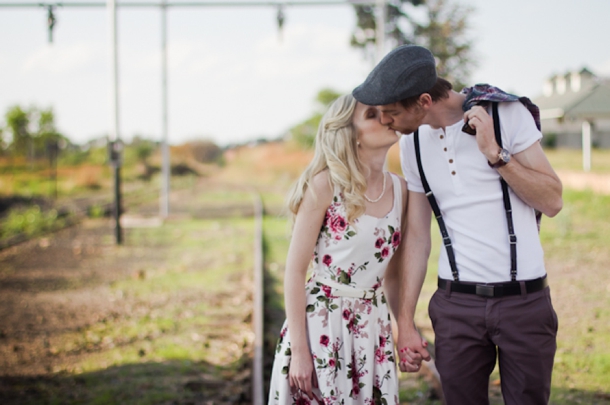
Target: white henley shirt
x=469 y=196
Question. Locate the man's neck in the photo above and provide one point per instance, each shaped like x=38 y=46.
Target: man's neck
x=446 y=112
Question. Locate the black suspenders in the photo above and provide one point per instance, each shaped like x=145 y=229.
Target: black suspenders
x=439 y=218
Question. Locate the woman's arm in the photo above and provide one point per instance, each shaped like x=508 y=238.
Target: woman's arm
x=307 y=225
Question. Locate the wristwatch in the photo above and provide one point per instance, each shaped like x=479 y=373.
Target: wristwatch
x=504 y=158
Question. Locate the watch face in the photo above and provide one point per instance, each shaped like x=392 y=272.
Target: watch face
x=505 y=155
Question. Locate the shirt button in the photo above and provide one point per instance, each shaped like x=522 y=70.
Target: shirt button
x=453 y=173
x=450 y=160
x=442 y=136
x=445 y=149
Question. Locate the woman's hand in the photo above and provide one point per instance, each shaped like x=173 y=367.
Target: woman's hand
x=301 y=374
x=412 y=349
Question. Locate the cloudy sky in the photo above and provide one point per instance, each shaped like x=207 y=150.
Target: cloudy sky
x=232 y=78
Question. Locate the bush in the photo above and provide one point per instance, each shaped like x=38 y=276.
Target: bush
x=549 y=141
x=204 y=151
x=30 y=221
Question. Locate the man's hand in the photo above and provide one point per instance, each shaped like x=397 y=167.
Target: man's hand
x=478 y=118
x=411 y=350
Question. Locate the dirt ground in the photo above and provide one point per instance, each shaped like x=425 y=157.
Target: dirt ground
x=599 y=183
x=62 y=284
x=52 y=285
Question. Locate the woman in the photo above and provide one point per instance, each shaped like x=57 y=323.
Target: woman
x=336 y=345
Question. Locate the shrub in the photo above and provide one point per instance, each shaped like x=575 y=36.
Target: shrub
x=30 y=221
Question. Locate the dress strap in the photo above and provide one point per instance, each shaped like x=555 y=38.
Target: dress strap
x=397 y=196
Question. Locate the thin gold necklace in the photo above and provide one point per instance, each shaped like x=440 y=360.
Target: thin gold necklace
x=380 y=195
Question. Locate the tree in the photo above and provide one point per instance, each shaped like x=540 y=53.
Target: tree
x=143 y=149
x=305 y=132
x=32 y=132
x=17 y=124
x=46 y=138
x=435 y=24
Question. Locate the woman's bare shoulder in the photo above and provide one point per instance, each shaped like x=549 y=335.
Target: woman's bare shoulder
x=320 y=190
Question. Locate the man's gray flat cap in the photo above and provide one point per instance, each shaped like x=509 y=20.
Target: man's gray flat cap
x=406 y=71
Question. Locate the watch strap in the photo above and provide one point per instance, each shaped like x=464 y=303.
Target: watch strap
x=498 y=164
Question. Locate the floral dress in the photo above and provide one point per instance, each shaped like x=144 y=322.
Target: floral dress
x=348 y=321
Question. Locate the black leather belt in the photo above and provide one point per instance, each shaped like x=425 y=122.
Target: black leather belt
x=494 y=290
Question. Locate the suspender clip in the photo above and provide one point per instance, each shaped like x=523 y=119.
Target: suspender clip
x=512 y=238
x=447 y=241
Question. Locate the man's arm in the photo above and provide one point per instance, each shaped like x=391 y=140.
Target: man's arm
x=391 y=283
x=414 y=262
x=529 y=173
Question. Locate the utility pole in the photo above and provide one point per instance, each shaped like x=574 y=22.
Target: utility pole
x=165 y=169
x=114 y=142
x=380 y=17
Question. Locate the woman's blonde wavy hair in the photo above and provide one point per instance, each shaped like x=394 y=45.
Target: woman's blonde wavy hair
x=336 y=150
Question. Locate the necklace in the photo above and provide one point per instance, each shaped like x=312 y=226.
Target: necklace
x=380 y=195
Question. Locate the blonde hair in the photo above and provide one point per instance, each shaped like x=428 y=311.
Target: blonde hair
x=336 y=150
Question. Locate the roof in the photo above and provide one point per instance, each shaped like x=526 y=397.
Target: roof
x=592 y=100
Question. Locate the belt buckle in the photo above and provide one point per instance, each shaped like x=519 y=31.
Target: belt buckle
x=484 y=290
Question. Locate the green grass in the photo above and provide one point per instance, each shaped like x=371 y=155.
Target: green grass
x=571 y=159
x=188 y=321
x=30 y=221
x=576 y=242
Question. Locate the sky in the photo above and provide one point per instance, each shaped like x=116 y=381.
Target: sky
x=233 y=78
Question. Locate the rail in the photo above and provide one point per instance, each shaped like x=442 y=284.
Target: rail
x=258 y=395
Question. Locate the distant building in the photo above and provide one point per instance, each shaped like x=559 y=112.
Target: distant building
x=575 y=110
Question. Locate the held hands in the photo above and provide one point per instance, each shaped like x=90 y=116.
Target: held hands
x=478 y=119
x=301 y=375
x=412 y=351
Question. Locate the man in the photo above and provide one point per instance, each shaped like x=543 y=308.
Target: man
x=493 y=299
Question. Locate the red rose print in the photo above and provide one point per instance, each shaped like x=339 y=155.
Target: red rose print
x=396 y=239
x=331 y=363
x=379 y=243
x=385 y=252
x=346 y=314
x=327 y=291
x=327 y=260
x=380 y=355
x=324 y=340
x=338 y=224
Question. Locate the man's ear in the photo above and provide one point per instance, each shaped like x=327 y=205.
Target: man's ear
x=425 y=101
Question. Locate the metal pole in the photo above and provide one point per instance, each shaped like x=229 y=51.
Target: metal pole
x=586 y=146
x=222 y=3
x=114 y=119
x=258 y=394
x=165 y=172
x=380 y=30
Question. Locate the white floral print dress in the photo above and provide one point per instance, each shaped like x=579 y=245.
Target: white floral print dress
x=348 y=321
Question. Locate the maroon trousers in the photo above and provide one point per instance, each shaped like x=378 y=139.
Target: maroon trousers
x=471 y=330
